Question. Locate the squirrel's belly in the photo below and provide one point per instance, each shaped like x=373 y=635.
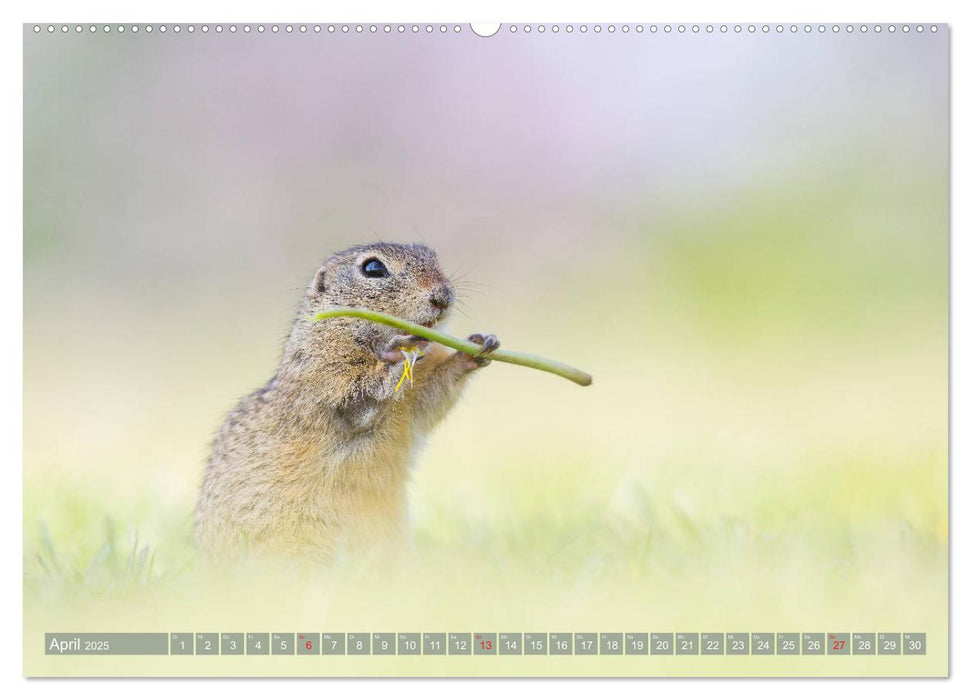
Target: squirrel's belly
x=348 y=498
x=307 y=493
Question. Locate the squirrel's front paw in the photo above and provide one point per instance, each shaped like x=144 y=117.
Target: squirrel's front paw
x=489 y=343
x=392 y=351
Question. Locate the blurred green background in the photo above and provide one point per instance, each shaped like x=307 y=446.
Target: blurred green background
x=743 y=238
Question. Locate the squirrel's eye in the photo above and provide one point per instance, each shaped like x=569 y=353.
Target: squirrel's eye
x=373 y=267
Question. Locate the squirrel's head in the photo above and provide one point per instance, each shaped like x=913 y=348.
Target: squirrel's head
x=404 y=280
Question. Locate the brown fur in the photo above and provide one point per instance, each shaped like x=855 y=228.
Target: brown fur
x=316 y=461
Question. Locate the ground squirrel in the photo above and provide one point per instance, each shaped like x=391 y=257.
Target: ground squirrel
x=316 y=461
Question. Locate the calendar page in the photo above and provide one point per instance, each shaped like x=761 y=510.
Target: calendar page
x=542 y=349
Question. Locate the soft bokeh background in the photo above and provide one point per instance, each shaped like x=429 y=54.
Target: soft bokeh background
x=743 y=238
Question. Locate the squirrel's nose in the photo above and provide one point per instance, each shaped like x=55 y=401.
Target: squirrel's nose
x=442 y=298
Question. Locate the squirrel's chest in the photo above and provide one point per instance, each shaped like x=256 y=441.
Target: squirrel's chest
x=368 y=438
x=361 y=418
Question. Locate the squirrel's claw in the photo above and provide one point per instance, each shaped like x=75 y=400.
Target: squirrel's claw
x=391 y=352
x=489 y=343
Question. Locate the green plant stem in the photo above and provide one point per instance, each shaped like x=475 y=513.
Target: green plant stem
x=466 y=346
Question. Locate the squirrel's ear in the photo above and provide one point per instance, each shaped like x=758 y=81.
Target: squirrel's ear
x=318 y=284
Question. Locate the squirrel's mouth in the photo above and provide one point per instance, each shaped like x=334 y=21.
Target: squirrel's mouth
x=432 y=322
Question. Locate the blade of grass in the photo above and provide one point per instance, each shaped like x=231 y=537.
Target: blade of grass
x=467 y=346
